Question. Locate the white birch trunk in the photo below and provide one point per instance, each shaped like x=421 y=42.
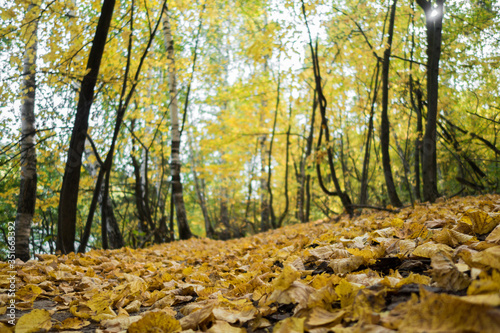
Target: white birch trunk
x=175 y=161
x=27 y=193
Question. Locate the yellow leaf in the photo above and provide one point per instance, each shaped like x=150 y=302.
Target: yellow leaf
x=321 y=317
x=222 y=326
x=6 y=329
x=494 y=236
x=135 y=306
x=28 y=293
x=233 y=316
x=346 y=292
x=414 y=278
x=446 y=313
x=290 y=325
x=487 y=299
x=346 y=265
x=489 y=257
x=451 y=238
x=36 y=321
x=155 y=322
x=428 y=250
x=285 y=279
x=72 y=323
x=481 y=222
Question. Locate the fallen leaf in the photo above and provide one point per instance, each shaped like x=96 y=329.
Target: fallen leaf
x=224 y=327
x=482 y=222
x=454 y=315
x=197 y=318
x=321 y=317
x=489 y=257
x=429 y=249
x=290 y=325
x=494 y=236
x=72 y=323
x=155 y=322
x=446 y=275
x=36 y=321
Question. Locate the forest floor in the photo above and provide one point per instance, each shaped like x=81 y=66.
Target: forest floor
x=428 y=268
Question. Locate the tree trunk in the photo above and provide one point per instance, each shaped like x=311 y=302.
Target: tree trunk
x=434 y=24
x=418 y=107
x=363 y=195
x=27 y=191
x=269 y=158
x=264 y=203
x=175 y=164
x=304 y=197
x=209 y=230
x=385 y=126
x=66 y=223
x=344 y=197
x=111 y=234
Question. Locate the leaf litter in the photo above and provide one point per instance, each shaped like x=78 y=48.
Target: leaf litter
x=431 y=268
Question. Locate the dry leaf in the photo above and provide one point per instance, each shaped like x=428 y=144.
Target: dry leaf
x=446 y=275
x=454 y=315
x=36 y=321
x=155 y=322
x=290 y=325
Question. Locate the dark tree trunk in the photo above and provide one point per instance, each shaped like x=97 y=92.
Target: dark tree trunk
x=285 y=211
x=363 y=195
x=27 y=191
x=434 y=24
x=418 y=107
x=344 y=197
x=269 y=174
x=385 y=126
x=111 y=235
x=304 y=195
x=209 y=230
x=66 y=223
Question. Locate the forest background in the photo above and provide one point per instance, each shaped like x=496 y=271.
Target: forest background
x=234 y=117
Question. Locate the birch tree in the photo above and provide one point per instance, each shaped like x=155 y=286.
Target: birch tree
x=27 y=193
x=175 y=161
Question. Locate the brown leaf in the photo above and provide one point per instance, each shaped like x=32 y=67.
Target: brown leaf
x=197 y=318
x=446 y=275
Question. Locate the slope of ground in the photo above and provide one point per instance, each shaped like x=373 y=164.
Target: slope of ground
x=427 y=268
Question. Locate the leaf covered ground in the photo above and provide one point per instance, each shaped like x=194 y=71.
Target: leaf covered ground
x=429 y=268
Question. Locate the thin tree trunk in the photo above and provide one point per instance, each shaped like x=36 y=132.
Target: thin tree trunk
x=27 y=191
x=250 y=189
x=110 y=228
x=269 y=186
x=434 y=24
x=344 y=197
x=418 y=107
x=125 y=98
x=209 y=230
x=385 y=126
x=68 y=201
x=285 y=211
x=264 y=203
x=363 y=195
x=175 y=164
x=305 y=203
